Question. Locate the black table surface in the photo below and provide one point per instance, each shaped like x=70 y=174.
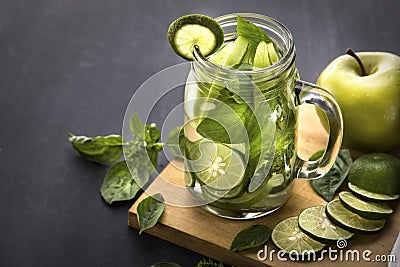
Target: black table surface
x=69 y=65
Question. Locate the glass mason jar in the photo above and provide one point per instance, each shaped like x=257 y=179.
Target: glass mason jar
x=240 y=128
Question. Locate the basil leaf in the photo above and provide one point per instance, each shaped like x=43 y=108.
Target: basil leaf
x=137 y=127
x=251 y=237
x=152 y=134
x=149 y=133
x=261 y=130
x=253 y=34
x=102 y=149
x=136 y=154
x=153 y=156
x=327 y=185
x=175 y=142
x=233 y=116
x=149 y=211
x=212 y=129
x=166 y=264
x=119 y=184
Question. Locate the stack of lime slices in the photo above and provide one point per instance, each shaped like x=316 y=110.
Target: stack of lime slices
x=318 y=226
x=357 y=210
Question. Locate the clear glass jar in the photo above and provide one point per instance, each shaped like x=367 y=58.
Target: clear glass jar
x=240 y=129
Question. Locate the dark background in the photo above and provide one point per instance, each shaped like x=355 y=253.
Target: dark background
x=73 y=65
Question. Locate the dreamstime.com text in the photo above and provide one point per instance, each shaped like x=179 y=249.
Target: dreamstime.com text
x=339 y=254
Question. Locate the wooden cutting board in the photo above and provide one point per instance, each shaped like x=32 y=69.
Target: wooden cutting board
x=207 y=234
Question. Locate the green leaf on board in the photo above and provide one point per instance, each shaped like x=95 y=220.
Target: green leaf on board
x=327 y=185
x=251 y=237
x=101 y=149
x=149 y=210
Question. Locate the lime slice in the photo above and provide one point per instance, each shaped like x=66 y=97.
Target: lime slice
x=261 y=58
x=361 y=193
x=195 y=29
x=244 y=200
x=314 y=222
x=217 y=166
x=368 y=210
x=288 y=237
x=377 y=173
x=239 y=50
x=247 y=58
x=218 y=194
x=347 y=219
x=273 y=56
x=219 y=57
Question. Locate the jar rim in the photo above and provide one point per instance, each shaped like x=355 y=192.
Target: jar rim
x=275 y=69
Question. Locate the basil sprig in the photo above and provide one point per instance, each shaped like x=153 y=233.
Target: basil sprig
x=120 y=182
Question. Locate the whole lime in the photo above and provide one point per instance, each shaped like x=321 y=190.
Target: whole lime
x=377 y=173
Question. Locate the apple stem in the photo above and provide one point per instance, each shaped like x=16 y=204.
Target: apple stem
x=350 y=52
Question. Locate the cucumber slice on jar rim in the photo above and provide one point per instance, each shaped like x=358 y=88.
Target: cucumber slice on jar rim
x=195 y=29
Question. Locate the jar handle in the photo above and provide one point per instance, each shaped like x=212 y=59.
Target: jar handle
x=308 y=93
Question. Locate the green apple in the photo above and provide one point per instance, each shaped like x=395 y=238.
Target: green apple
x=367 y=88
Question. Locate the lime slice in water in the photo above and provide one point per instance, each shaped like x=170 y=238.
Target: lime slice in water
x=288 y=237
x=370 y=195
x=314 y=222
x=347 y=219
x=219 y=57
x=195 y=29
x=261 y=58
x=273 y=56
x=368 y=210
x=217 y=166
x=239 y=50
